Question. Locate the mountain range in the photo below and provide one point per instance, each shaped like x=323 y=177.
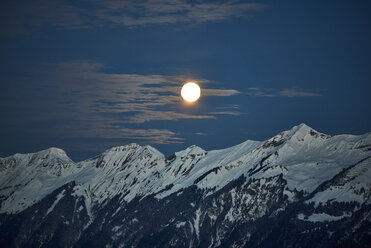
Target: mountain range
x=300 y=188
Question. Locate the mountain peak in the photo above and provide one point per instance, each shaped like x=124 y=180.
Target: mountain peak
x=50 y=156
x=193 y=149
x=302 y=127
x=122 y=154
x=55 y=151
x=299 y=133
x=132 y=147
x=303 y=130
x=124 y=147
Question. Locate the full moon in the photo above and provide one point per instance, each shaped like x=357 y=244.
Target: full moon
x=191 y=92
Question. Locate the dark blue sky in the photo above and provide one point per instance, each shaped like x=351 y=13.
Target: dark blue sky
x=88 y=75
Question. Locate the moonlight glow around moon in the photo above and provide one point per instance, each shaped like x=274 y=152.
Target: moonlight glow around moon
x=191 y=92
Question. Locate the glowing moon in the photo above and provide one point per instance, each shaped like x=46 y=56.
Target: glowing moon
x=191 y=92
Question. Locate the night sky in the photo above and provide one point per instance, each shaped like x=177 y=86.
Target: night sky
x=88 y=75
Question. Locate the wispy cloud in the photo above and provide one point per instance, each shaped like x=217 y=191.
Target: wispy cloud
x=220 y=92
x=148 y=115
x=290 y=92
x=109 y=131
x=18 y=16
x=138 y=98
x=85 y=14
x=261 y=92
x=134 y=13
x=297 y=93
x=226 y=113
x=78 y=100
x=229 y=106
x=201 y=134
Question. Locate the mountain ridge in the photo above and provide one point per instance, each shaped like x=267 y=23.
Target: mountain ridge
x=300 y=177
x=61 y=151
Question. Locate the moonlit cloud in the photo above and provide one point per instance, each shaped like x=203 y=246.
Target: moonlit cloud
x=261 y=92
x=145 y=116
x=201 y=134
x=291 y=92
x=141 y=98
x=63 y=14
x=135 y=13
x=219 y=92
x=297 y=93
x=225 y=113
x=18 y=16
x=93 y=104
x=107 y=131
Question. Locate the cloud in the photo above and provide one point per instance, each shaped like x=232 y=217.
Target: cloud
x=151 y=136
x=297 y=93
x=147 y=115
x=229 y=106
x=290 y=92
x=135 y=98
x=18 y=16
x=226 y=113
x=201 y=134
x=78 y=99
x=135 y=13
x=97 y=13
x=219 y=92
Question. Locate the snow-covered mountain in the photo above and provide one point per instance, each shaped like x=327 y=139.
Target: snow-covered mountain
x=301 y=188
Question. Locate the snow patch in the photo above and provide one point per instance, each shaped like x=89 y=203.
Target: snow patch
x=196 y=222
x=57 y=199
x=321 y=217
x=180 y=224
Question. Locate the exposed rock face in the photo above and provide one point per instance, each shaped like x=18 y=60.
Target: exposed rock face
x=300 y=188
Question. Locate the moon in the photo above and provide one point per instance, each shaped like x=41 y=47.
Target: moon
x=191 y=92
